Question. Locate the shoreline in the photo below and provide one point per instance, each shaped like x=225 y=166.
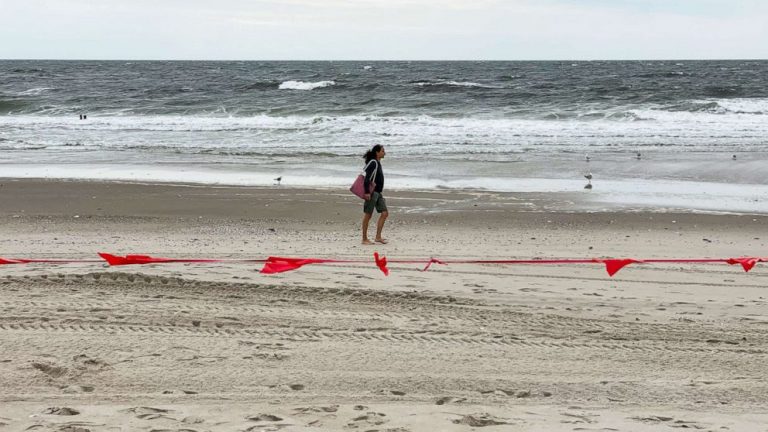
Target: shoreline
x=569 y=202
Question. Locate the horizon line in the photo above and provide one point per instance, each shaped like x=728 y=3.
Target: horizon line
x=382 y=60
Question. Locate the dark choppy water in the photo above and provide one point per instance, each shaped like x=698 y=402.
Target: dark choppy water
x=494 y=125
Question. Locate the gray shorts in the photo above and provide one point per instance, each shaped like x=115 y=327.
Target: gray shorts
x=377 y=201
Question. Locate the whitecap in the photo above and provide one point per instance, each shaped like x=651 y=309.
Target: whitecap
x=745 y=105
x=301 y=85
x=454 y=84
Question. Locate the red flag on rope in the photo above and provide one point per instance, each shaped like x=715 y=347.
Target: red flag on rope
x=115 y=260
x=746 y=262
x=11 y=261
x=612 y=266
x=282 y=264
x=381 y=263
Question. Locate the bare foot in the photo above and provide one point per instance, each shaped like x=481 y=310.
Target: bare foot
x=367 y=242
x=382 y=241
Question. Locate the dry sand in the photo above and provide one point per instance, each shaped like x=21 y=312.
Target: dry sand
x=221 y=347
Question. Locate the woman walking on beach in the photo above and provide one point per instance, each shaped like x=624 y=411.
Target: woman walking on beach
x=374 y=185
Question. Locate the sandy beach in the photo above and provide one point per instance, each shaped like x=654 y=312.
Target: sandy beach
x=221 y=347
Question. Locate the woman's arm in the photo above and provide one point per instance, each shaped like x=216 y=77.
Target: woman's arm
x=370 y=175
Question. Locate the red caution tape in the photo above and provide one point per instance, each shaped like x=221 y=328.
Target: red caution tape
x=283 y=264
x=612 y=265
x=44 y=261
x=432 y=261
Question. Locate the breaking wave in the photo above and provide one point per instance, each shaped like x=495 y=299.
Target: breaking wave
x=301 y=85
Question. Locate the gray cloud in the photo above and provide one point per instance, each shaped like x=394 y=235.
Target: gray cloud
x=384 y=29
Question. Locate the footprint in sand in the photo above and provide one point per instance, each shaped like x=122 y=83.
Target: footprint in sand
x=51 y=370
x=393 y=392
x=179 y=392
x=85 y=363
x=61 y=411
x=480 y=420
x=449 y=399
x=74 y=389
x=270 y=356
x=76 y=427
x=264 y=418
x=317 y=409
x=669 y=421
x=498 y=392
x=149 y=413
x=578 y=418
x=193 y=420
x=371 y=418
x=294 y=387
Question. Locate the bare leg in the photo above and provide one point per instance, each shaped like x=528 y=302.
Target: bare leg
x=380 y=226
x=366 y=220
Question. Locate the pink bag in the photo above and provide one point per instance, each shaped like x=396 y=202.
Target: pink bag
x=358 y=186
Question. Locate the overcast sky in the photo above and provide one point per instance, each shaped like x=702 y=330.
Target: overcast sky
x=383 y=29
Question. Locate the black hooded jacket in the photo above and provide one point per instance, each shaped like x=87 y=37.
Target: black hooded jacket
x=374 y=166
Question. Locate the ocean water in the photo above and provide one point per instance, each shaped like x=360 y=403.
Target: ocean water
x=700 y=127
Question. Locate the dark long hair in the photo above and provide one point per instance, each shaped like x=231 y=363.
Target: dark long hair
x=371 y=154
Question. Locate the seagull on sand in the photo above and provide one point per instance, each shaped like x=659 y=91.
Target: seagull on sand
x=278 y=180
x=638 y=156
x=586 y=157
x=588 y=176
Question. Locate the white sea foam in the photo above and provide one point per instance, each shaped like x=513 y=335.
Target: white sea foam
x=733 y=112
x=467 y=138
x=744 y=105
x=628 y=193
x=301 y=85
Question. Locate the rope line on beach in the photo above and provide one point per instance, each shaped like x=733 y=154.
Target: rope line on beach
x=275 y=264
